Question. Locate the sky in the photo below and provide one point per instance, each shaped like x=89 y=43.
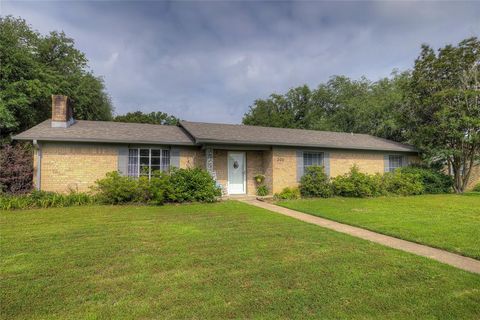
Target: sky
x=209 y=61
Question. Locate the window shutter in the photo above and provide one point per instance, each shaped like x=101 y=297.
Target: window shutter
x=175 y=157
x=123 y=160
x=299 y=165
x=386 y=162
x=326 y=163
x=405 y=161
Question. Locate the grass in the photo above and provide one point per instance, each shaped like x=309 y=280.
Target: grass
x=223 y=260
x=450 y=222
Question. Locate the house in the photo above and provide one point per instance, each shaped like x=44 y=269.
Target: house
x=72 y=155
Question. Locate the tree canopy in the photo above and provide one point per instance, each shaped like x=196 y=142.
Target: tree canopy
x=442 y=109
x=152 y=118
x=341 y=104
x=35 y=66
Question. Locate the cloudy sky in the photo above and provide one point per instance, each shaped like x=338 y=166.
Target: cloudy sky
x=208 y=61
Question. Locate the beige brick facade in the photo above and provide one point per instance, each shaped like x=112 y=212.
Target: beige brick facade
x=69 y=166
x=76 y=166
x=474 y=177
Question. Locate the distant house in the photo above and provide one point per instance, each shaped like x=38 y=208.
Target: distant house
x=71 y=155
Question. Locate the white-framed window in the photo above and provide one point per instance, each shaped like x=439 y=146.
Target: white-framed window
x=312 y=158
x=395 y=162
x=144 y=161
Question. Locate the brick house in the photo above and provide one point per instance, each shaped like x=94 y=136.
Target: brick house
x=72 y=155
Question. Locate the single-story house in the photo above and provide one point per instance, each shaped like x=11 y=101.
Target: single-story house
x=72 y=155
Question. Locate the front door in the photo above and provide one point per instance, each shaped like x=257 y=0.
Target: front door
x=236 y=173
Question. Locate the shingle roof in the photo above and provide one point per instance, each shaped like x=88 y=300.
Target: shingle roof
x=108 y=131
x=217 y=133
x=212 y=133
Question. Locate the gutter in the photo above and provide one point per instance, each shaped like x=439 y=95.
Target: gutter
x=38 y=147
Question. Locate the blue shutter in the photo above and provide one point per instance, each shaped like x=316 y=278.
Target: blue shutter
x=326 y=163
x=175 y=157
x=386 y=162
x=299 y=165
x=123 y=160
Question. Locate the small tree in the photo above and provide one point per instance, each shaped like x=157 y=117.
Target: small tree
x=16 y=168
x=442 y=113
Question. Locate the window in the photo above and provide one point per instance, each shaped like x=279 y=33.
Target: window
x=312 y=159
x=143 y=162
x=394 y=162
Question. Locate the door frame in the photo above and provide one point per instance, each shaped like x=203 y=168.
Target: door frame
x=244 y=171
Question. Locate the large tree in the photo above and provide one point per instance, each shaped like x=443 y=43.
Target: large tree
x=35 y=66
x=152 y=117
x=442 y=113
x=341 y=104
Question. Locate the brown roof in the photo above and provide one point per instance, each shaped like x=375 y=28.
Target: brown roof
x=108 y=131
x=192 y=133
x=217 y=133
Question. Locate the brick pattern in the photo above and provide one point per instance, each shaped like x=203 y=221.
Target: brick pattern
x=192 y=158
x=254 y=167
x=68 y=166
x=474 y=177
x=284 y=169
x=369 y=162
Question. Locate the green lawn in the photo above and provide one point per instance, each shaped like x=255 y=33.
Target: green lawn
x=223 y=260
x=450 y=222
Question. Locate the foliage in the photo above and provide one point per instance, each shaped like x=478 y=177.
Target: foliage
x=193 y=184
x=33 y=68
x=315 y=183
x=262 y=190
x=178 y=185
x=476 y=188
x=16 y=168
x=152 y=118
x=403 y=183
x=358 y=184
x=42 y=199
x=442 y=113
x=433 y=180
x=288 y=194
x=341 y=104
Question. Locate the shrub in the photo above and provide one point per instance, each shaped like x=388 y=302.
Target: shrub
x=433 y=180
x=288 y=194
x=404 y=184
x=358 y=184
x=42 y=199
x=262 y=190
x=476 y=188
x=315 y=183
x=118 y=189
x=16 y=169
x=187 y=185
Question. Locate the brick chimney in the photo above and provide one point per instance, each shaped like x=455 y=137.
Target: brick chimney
x=62 y=113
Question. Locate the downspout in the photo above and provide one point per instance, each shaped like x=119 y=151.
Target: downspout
x=38 y=147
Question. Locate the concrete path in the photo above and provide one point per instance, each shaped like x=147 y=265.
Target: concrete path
x=443 y=256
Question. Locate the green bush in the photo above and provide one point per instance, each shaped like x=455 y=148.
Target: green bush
x=118 y=189
x=405 y=184
x=433 y=180
x=187 y=185
x=315 y=183
x=42 y=199
x=262 y=190
x=476 y=188
x=358 y=184
x=288 y=194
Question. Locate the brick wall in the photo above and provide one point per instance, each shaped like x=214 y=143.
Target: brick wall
x=474 y=177
x=284 y=169
x=368 y=162
x=69 y=166
x=192 y=158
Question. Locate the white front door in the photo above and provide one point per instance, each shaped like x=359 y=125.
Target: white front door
x=236 y=173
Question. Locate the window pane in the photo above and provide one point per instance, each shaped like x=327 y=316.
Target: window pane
x=132 y=163
x=155 y=152
x=155 y=161
x=144 y=152
x=144 y=161
x=165 y=160
x=394 y=162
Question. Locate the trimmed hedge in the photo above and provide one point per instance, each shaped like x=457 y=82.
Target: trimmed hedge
x=358 y=184
x=288 y=194
x=315 y=183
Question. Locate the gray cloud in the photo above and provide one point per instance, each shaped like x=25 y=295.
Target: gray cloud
x=209 y=61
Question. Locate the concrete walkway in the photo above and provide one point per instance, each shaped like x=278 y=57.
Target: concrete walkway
x=443 y=256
